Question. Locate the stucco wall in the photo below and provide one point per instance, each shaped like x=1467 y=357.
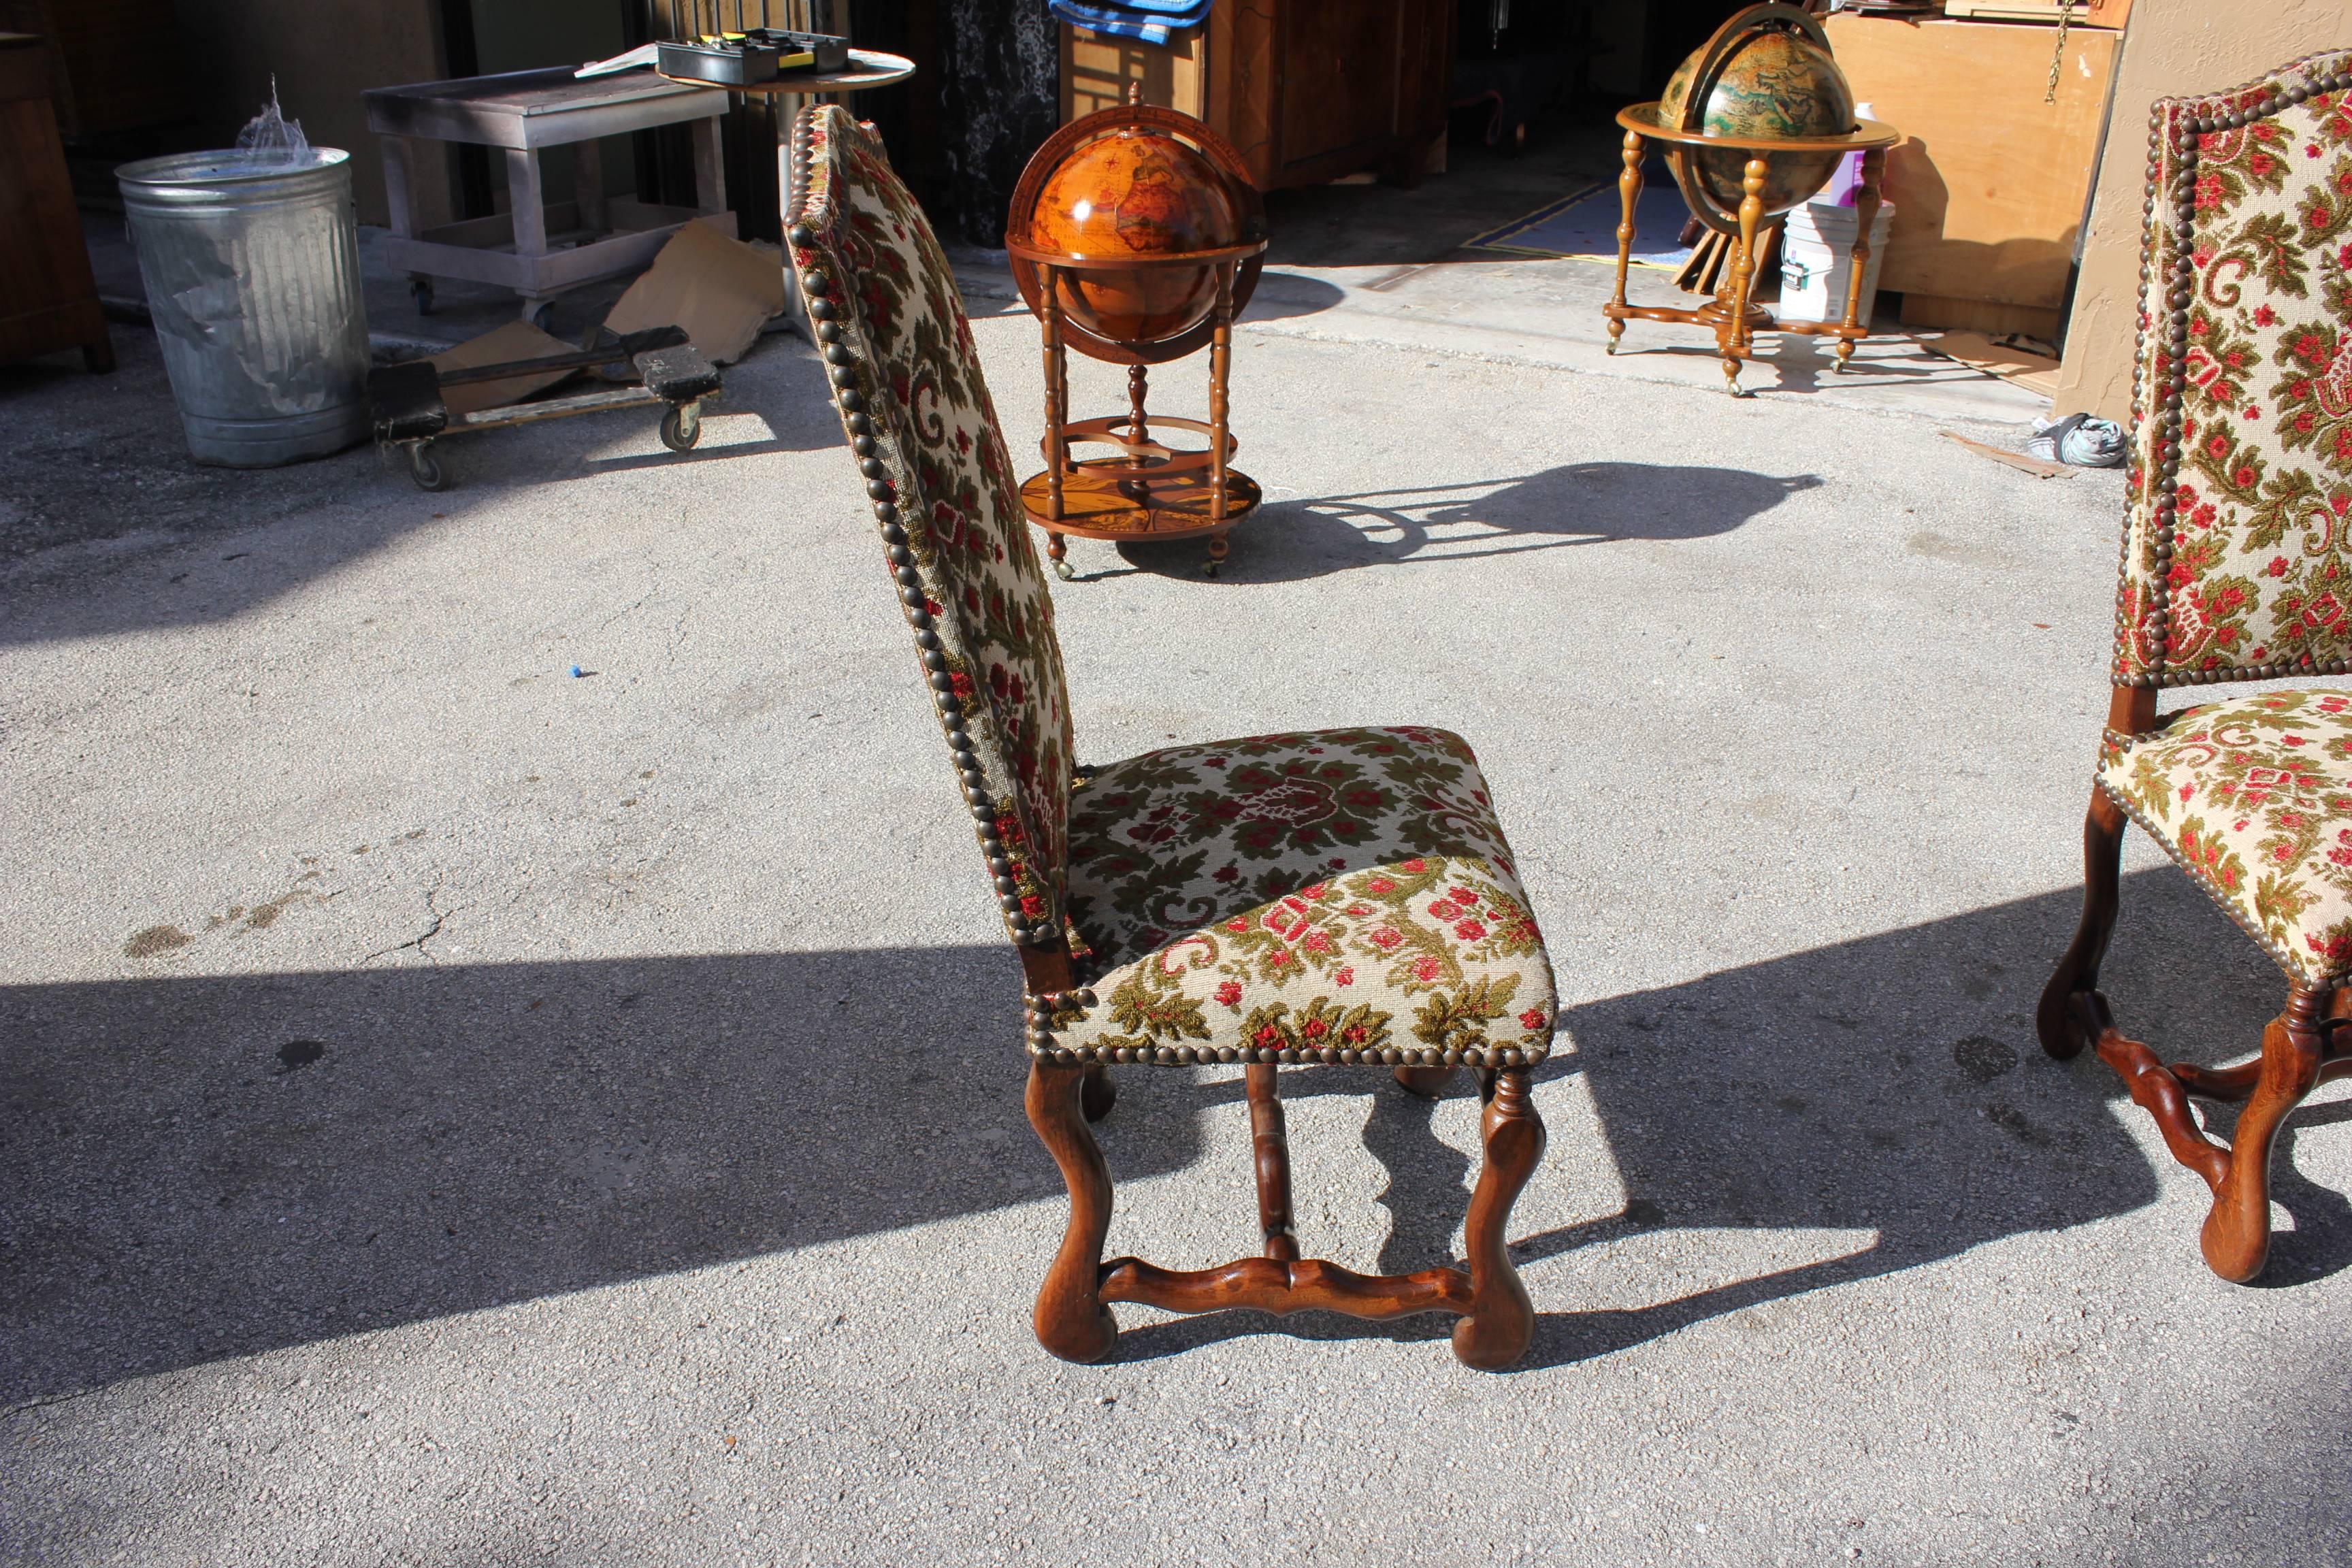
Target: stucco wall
x=2171 y=47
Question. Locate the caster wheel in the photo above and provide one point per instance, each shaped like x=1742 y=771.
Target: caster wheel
x=421 y=291
x=426 y=470
x=1062 y=569
x=1611 y=350
x=1210 y=568
x=681 y=427
x=541 y=316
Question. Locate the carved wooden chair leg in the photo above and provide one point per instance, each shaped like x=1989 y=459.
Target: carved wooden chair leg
x=1071 y=1319
x=1426 y=1082
x=1099 y=1094
x=1270 y=1152
x=2237 y=1235
x=1502 y=1319
x=2056 y=1020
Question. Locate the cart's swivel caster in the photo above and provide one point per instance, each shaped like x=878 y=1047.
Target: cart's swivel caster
x=421 y=291
x=681 y=427
x=541 y=315
x=1209 y=568
x=1062 y=569
x=426 y=469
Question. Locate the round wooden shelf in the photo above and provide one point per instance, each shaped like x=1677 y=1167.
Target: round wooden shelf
x=1095 y=505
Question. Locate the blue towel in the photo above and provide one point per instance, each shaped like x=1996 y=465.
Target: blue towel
x=1152 y=21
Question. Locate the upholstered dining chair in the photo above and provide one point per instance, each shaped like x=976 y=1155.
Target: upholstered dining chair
x=2236 y=567
x=1342 y=896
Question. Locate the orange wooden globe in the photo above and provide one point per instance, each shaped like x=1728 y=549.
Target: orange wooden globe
x=1138 y=183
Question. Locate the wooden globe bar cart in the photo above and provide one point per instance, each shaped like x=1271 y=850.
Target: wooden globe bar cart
x=1754 y=122
x=1136 y=238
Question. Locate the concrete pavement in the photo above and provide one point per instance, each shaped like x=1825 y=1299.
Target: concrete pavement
x=462 y=1113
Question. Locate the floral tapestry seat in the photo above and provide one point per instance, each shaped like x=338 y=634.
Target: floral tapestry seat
x=1342 y=890
x=1339 y=898
x=2236 y=566
x=2253 y=798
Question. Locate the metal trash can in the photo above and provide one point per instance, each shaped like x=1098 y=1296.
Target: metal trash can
x=252 y=271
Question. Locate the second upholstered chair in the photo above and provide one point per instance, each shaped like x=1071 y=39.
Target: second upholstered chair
x=1341 y=896
x=2237 y=566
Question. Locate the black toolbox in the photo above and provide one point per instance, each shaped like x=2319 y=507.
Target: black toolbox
x=752 y=58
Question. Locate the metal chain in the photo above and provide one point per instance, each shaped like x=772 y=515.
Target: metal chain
x=2058 y=55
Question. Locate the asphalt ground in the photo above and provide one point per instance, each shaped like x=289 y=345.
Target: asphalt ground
x=459 y=1112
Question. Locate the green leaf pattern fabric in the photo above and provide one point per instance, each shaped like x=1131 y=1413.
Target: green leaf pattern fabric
x=2253 y=798
x=2258 y=576
x=1334 y=895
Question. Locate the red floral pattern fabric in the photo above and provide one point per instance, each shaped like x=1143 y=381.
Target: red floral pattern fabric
x=1336 y=895
x=910 y=354
x=2254 y=797
x=2255 y=314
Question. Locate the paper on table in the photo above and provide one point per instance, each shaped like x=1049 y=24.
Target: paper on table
x=716 y=287
x=644 y=54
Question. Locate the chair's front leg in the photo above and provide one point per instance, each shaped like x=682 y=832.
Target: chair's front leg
x=2236 y=1239
x=1502 y=1319
x=1071 y=1319
x=2103 y=842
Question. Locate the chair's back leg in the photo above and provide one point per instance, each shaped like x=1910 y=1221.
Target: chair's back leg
x=2078 y=971
x=1071 y=1319
x=1502 y=1319
x=1269 y=1141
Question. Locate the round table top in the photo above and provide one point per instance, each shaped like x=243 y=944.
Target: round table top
x=868 y=68
x=1642 y=120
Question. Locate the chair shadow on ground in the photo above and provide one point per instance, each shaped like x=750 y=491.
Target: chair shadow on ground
x=1575 y=504
x=1890 y=1085
x=181 y=1179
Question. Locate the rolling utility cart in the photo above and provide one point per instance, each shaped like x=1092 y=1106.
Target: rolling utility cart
x=407 y=409
x=525 y=112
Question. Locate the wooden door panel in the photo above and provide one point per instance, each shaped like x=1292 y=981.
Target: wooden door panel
x=1342 y=64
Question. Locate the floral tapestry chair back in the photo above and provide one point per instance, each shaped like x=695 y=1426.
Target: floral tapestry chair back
x=2237 y=566
x=1338 y=896
x=883 y=306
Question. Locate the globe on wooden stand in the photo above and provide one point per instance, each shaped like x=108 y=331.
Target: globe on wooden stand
x=1136 y=238
x=1754 y=122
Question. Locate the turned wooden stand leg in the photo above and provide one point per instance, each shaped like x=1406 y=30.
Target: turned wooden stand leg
x=1221 y=358
x=1502 y=1319
x=1731 y=334
x=1057 y=413
x=2056 y=1020
x=1629 y=196
x=1070 y=1319
x=2236 y=1239
x=1866 y=210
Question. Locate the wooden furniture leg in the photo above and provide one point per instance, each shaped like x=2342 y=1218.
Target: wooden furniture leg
x=1070 y=1319
x=1270 y=1145
x=1865 y=211
x=1426 y=1082
x=1502 y=1319
x=1629 y=195
x=2055 y=1019
x=1058 y=392
x=528 y=200
x=1220 y=360
x=2236 y=1238
x=1098 y=1094
x=1731 y=334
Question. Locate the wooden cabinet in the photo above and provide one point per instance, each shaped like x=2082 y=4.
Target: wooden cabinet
x=48 y=299
x=1307 y=91
x=1989 y=180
